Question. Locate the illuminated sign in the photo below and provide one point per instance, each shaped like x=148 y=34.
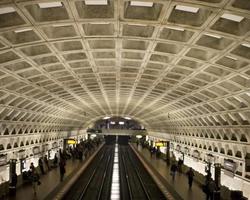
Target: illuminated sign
x=230 y=165
x=71 y=141
x=160 y=144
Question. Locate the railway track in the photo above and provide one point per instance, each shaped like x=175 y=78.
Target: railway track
x=95 y=182
x=136 y=183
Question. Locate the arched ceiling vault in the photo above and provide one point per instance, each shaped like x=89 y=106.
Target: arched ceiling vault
x=172 y=65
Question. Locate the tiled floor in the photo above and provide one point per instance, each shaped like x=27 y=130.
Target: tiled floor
x=49 y=182
x=180 y=184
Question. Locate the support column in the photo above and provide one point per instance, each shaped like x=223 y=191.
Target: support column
x=168 y=153
x=217 y=179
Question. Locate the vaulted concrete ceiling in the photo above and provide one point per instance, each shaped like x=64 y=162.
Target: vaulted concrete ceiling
x=172 y=65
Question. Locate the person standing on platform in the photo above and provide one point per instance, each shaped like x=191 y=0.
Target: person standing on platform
x=46 y=161
x=34 y=178
x=190 y=175
x=40 y=163
x=173 y=170
x=13 y=184
x=62 y=168
x=55 y=161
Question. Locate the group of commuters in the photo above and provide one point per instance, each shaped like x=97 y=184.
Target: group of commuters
x=80 y=151
x=209 y=187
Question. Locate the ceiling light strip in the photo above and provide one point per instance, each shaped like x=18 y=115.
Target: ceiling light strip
x=96 y=2
x=232 y=17
x=176 y=28
x=23 y=30
x=231 y=57
x=187 y=8
x=54 y=4
x=6 y=10
x=141 y=3
x=212 y=35
x=246 y=45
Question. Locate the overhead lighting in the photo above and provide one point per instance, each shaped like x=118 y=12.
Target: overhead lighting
x=176 y=28
x=22 y=30
x=99 y=23
x=138 y=136
x=238 y=99
x=232 y=117
x=212 y=35
x=246 y=45
x=141 y=3
x=232 y=17
x=121 y=123
x=60 y=25
x=96 y=2
x=54 y=4
x=6 y=10
x=112 y=122
x=107 y=117
x=242 y=116
x=128 y=118
x=187 y=8
x=231 y=57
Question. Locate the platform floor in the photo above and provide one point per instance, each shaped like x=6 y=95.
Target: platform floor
x=180 y=184
x=49 y=181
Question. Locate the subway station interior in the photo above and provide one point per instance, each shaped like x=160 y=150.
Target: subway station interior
x=124 y=99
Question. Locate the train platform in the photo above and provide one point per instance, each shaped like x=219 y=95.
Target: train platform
x=180 y=184
x=50 y=182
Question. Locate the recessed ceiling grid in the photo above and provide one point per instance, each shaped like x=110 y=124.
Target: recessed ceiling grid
x=153 y=62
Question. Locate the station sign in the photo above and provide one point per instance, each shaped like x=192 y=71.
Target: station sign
x=229 y=165
x=160 y=143
x=71 y=141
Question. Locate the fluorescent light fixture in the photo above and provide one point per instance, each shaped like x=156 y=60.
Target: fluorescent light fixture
x=223 y=118
x=212 y=35
x=242 y=116
x=138 y=136
x=99 y=22
x=96 y=2
x=54 y=4
x=107 y=117
x=112 y=122
x=138 y=24
x=176 y=28
x=6 y=10
x=232 y=117
x=128 y=118
x=238 y=99
x=141 y=3
x=121 y=123
x=246 y=45
x=60 y=25
x=187 y=8
x=231 y=57
x=23 y=30
x=232 y=17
